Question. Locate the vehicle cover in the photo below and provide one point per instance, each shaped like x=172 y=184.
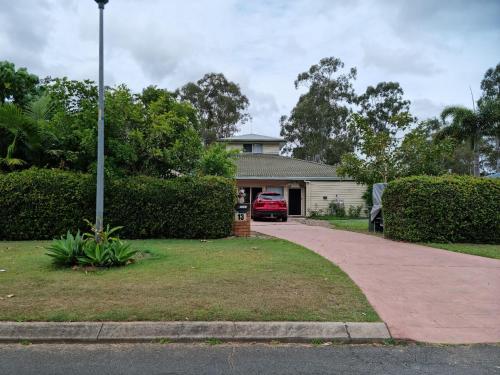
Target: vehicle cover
x=378 y=190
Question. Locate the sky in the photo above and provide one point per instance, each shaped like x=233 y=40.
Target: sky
x=435 y=49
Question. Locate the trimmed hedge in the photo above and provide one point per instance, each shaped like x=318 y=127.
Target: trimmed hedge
x=43 y=204
x=442 y=209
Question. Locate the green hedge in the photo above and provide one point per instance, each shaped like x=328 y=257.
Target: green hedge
x=43 y=204
x=442 y=209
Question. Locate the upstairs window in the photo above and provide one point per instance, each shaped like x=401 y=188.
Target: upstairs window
x=247 y=147
x=255 y=148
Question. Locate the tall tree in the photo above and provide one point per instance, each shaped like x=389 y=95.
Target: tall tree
x=470 y=126
x=73 y=123
x=381 y=103
x=490 y=85
x=173 y=144
x=317 y=126
x=217 y=161
x=221 y=105
x=422 y=153
x=17 y=86
x=151 y=133
x=376 y=156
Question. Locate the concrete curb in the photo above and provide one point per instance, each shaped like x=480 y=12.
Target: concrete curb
x=192 y=331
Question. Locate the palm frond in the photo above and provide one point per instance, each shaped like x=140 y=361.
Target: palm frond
x=12 y=162
x=464 y=124
x=22 y=127
x=40 y=109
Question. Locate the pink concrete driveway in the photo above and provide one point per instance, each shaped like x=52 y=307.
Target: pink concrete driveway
x=422 y=293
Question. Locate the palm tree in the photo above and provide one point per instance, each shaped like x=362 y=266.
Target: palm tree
x=470 y=125
x=18 y=131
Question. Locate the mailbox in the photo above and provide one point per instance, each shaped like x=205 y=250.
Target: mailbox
x=241 y=210
x=241 y=207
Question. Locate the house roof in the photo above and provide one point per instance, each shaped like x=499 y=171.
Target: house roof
x=268 y=166
x=252 y=138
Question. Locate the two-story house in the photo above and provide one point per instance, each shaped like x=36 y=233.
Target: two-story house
x=307 y=186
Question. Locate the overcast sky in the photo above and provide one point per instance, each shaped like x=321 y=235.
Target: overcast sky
x=434 y=49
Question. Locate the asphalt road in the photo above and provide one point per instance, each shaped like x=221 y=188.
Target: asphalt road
x=41 y=359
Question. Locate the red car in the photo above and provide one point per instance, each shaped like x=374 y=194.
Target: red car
x=269 y=205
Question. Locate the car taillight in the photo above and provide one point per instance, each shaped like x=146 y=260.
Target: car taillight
x=282 y=203
x=259 y=203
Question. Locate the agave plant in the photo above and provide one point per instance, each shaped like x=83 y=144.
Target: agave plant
x=120 y=253
x=85 y=251
x=95 y=254
x=67 y=250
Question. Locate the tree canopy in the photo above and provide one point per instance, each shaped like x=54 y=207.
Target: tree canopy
x=317 y=126
x=380 y=103
x=374 y=137
x=148 y=133
x=221 y=105
x=17 y=86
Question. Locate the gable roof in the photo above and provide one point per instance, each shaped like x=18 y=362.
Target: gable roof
x=268 y=166
x=251 y=138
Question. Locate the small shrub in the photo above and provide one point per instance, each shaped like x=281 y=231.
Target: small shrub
x=442 y=209
x=354 y=211
x=337 y=209
x=314 y=213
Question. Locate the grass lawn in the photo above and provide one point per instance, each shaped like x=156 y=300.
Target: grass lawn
x=229 y=279
x=483 y=250
x=356 y=224
x=361 y=225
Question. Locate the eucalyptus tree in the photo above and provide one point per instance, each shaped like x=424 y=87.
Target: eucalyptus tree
x=220 y=103
x=490 y=85
x=380 y=103
x=317 y=127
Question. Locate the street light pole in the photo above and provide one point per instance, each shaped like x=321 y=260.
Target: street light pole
x=99 y=206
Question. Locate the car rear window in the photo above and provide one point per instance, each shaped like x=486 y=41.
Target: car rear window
x=271 y=197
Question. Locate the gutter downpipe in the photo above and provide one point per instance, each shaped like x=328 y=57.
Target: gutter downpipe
x=305 y=196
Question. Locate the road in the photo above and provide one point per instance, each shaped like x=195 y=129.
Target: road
x=53 y=359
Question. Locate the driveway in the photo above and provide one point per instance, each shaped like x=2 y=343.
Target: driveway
x=422 y=293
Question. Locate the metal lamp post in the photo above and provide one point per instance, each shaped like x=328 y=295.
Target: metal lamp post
x=99 y=206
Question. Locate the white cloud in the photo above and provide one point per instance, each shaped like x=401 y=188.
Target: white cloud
x=434 y=49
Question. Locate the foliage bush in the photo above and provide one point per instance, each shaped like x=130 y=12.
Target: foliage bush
x=354 y=211
x=442 y=209
x=44 y=204
x=337 y=209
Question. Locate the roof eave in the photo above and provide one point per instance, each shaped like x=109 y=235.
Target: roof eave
x=293 y=178
x=252 y=140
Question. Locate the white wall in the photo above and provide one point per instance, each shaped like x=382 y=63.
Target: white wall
x=349 y=191
x=271 y=148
